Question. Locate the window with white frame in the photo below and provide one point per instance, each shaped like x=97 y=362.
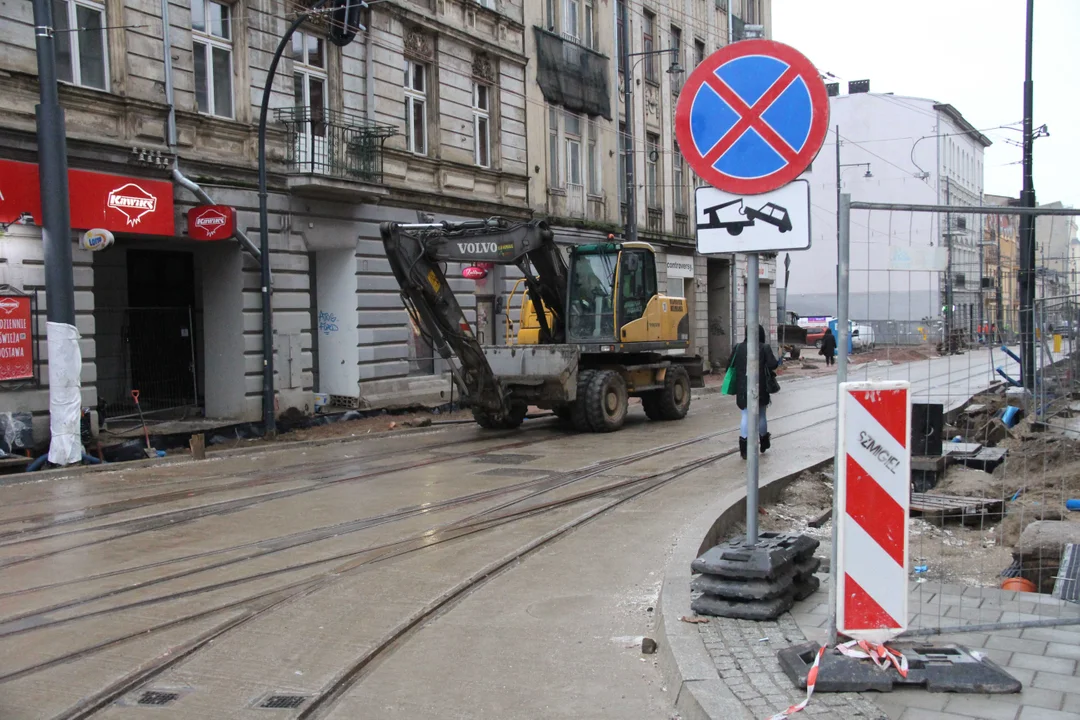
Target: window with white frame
x=590 y=39
x=592 y=159
x=482 y=124
x=573 y=150
x=416 y=131
x=572 y=20
x=554 y=177
x=211 y=45
x=652 y=170
x=308 y=54
x=82 y=55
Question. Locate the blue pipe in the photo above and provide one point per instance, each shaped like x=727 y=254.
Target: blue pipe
x=1011 y=354
x=1012 y=382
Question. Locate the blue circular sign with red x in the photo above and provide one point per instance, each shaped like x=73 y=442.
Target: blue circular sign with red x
x=752 y=117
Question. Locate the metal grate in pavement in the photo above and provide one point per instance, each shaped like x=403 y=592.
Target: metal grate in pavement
x=282 y=702
x=157 y=697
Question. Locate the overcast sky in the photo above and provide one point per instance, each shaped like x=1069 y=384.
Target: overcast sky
x=968 y=53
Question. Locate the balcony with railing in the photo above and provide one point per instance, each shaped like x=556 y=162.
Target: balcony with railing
x=332 y=152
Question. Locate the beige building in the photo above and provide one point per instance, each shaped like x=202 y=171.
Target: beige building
x=1001 y=299
x=579 y=142
x=423 y=112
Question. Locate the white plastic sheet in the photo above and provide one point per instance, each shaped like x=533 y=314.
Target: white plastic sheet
x=65 y=395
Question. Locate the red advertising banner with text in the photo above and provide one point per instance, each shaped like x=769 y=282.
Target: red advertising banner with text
x=97 y=200
x=16 y=338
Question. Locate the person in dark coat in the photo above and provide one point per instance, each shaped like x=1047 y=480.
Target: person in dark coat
x=828 y=347
x=768 y=362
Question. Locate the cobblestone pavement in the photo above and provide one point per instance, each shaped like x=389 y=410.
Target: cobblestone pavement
x=1044 y=659
x=745 y=655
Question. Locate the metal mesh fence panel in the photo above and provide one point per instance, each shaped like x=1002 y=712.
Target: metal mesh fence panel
x=933 y=300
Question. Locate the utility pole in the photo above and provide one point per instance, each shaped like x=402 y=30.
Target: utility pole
x=65 y=358
x=1027 y=222
x=999 y=311
x=982 y=269
x=630 y=231
x=948 y=267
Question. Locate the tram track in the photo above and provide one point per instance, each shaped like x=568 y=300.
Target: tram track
x=249 y=608
x=49 y=520
x=302 y=538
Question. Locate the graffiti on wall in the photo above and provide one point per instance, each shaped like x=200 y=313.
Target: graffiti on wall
x=327 y=322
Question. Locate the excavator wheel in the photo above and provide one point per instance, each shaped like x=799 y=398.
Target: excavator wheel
x=673 y=401
x=579 y=415
x=606 y=401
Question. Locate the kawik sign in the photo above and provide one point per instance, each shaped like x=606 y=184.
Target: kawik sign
x=133 y=202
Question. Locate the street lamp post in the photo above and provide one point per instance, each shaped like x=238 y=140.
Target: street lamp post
x=630 y=229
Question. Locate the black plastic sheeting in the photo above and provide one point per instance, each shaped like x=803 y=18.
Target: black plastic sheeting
x=134 y=449
x=572 y=76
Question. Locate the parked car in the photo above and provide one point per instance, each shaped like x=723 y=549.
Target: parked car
x=814 y=335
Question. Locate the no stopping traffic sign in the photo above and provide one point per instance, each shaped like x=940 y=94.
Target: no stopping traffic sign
x=752 y=117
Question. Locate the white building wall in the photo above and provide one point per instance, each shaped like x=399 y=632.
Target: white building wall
x=909 y=163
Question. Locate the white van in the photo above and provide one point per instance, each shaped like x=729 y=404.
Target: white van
x=862 y=337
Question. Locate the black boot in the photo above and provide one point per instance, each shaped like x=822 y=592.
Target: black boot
x=766 y=442
x=742 y=447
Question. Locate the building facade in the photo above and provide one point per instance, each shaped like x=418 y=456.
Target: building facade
x=904 y=266
x=436 y=109
x=423 y=112
x=580 y=144
x=1002 y=256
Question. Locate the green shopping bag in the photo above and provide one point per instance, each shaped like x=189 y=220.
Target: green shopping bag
x=728 y=387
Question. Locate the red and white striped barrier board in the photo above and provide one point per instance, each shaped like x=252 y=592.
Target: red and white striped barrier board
x=873 y=485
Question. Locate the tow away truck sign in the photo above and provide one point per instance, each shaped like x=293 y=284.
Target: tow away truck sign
x=772 y=221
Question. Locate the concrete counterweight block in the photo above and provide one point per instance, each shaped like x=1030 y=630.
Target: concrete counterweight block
x=755 y=582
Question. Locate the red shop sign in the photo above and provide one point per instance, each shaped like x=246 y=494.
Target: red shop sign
x=16 y=338
x=97 y=200
x=211 y=222
x=474 y=272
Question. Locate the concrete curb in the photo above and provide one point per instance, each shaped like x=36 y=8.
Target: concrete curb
x=697 y=691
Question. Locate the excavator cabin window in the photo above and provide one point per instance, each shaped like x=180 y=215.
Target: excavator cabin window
x=637 y=284
x=591 y=296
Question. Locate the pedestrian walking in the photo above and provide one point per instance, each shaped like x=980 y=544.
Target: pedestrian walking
x=828 y=347
x=768 y=364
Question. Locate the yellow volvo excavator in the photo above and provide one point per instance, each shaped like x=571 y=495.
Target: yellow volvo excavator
x=592 y=332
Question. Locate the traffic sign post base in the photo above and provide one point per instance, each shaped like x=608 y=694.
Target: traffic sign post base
x=755 y=582
x=938 y=668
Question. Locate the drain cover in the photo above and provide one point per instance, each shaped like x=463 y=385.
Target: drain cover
x=283 y=702
x=507 y=459
x=157 y=697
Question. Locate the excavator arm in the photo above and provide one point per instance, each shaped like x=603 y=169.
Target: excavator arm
x=417 y=252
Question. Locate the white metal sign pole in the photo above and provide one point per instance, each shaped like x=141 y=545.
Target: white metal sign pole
x=753 y=361
x=843 y=276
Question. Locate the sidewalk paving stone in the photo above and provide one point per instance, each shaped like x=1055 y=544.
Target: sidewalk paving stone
x=1045 y=660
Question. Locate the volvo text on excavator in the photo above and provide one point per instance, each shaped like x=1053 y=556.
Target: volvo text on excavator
x=593 y=331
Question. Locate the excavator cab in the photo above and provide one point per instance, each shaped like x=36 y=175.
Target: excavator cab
x=592 y=293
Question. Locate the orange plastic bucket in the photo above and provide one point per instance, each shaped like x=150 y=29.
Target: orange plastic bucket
x=1018 y=584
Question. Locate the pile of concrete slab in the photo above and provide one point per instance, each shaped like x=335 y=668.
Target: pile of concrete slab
x=758 y=581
